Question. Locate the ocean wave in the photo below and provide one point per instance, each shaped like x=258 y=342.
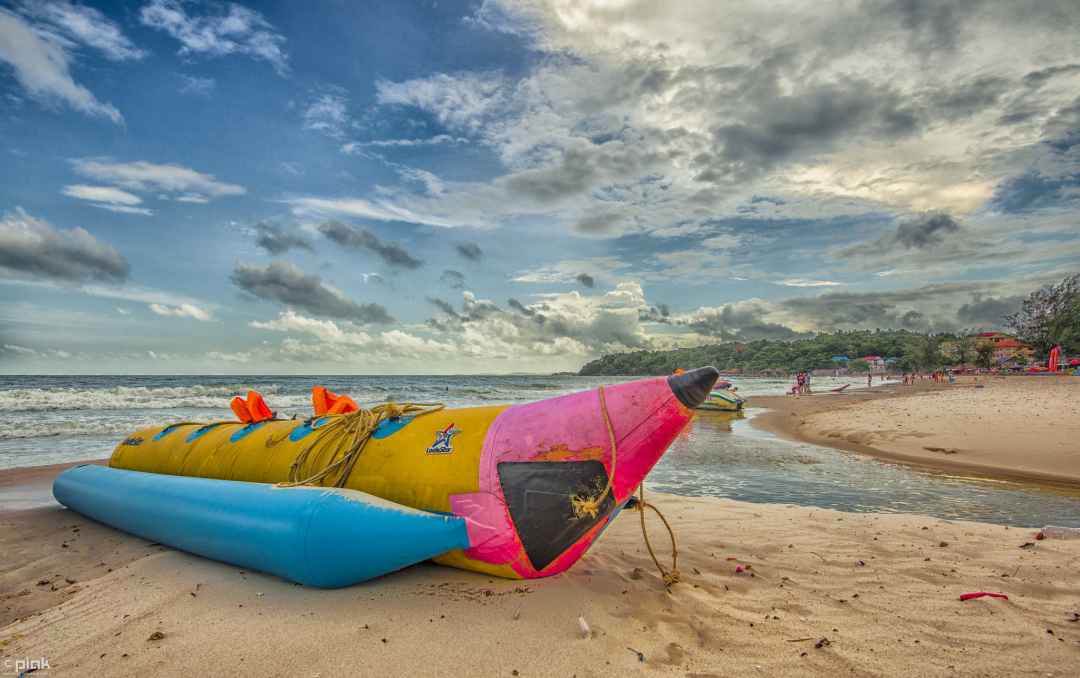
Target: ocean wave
x=137 y=397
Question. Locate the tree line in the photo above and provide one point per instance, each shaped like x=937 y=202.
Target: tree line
x=1049 y=316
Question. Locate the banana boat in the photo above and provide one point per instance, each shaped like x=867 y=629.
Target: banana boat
x=517 y=491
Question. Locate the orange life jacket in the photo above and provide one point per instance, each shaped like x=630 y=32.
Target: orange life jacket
x=252 y=410
x=324 y=402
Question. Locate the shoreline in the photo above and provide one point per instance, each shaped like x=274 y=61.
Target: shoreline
x=834 y=421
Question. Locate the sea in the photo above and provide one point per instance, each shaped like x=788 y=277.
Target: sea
x=53 y=419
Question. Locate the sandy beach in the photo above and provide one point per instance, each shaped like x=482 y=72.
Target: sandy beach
x=820 y=593
x=1017 y=428
x=769 y=590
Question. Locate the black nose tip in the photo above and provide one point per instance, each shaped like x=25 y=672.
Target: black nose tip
x=692 y=387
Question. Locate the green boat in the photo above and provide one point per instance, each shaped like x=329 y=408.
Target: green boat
x=722 y=400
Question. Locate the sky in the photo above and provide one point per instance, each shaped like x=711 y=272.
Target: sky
x=495 y=187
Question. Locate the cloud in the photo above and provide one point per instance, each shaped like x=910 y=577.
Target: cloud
x=458 y=101
x=805 y=282
x=437 y=140
x=568 y=270
x=381 y=210
x=238 y=31
x=986 y=311
x=288 y=285
x=41 y=63
x=391 y=253
x=469 y=250
x=33 y=248
x=921 y=233
x=87 y=26
x=567 y=323
x=185 y=183
x=195 y=85
x=739 y=321
x=181 y=311
x=107 y=197
x=327 y=114
x=276 y=241
x=586 y=280
x=453 y=279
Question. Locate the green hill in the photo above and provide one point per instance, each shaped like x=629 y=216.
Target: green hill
x=912 y=350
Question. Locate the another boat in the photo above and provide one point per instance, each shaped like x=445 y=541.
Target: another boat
x=516 y=491
x=723 y=400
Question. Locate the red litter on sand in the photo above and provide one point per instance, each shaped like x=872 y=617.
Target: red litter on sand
x=981 y=594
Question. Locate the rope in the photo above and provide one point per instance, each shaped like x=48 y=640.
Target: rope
x=672 y=576
x=345 y=437
x=585 y=505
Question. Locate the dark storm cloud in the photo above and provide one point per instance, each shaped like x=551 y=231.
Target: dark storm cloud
x=586 y=280
x=287 y=284
x=744 y=323
x=596 y=222
x=985 y=311
x=921 y=233
x=357 y=239
x=469 y=250
x=781 y=127
x=927 y=230
x=968 y=98
x=870 y=310
x=520 y=307
x=444 y=306
x=572 y=176
x=453 y=279
x=660 y=313
x=1062 y=131
x=32 y=248
x=931 y=25
x=276 y=241
x=1038 y=78
x=1032 y=190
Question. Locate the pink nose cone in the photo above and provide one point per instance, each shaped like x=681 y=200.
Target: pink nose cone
x=538 y=456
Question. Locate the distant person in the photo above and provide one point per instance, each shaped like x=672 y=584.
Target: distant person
x=869 y=379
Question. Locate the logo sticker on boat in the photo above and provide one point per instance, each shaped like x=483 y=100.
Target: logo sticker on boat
x=444 y=440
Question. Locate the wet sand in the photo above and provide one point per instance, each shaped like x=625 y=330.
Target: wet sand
x=1015 y=428
x=822 y=593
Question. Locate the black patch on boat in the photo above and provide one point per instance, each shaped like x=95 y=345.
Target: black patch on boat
x=133 y=440
x=539 y=494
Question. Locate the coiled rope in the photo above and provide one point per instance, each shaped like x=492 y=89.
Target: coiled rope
x=589 y=506
x=342 y=440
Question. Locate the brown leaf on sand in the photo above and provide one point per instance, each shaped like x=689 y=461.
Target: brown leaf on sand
x=156 y=635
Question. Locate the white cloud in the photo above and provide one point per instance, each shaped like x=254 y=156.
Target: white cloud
x=101 y=194
x=181 y=311
x=239 y=31
x=108 y=198
x=327 y=114
x=199 y=86
x=806 y=282
x=463 y=101
x=87 y=26
x=437 y=140
x=41 y=65
x=21 y=350
x=122 y=311
x=567 y=271
x=379 y=210
x=192 y=186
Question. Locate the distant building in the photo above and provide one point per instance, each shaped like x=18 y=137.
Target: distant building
x=1008 y=350
x=875 y=362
